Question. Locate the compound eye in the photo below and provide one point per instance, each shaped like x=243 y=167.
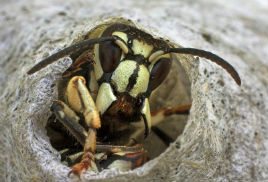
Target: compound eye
x=110 y=55
x=159 y=72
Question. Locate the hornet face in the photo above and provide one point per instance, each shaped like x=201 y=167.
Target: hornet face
x=128 y=70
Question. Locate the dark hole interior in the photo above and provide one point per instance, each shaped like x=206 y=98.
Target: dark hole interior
x=174 y=91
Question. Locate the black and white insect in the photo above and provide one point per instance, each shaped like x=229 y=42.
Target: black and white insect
x=104 y=95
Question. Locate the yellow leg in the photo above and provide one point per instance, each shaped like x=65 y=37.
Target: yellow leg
x=159 y=115
x=88 y=159
x=79 y=99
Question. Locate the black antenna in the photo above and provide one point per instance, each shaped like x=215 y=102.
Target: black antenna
x=83 y=45
x=210 y=56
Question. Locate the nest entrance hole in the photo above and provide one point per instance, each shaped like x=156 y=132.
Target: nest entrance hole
x=174 y=91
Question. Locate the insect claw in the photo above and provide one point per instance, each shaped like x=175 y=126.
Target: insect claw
x=87 y=163
x=77 y=170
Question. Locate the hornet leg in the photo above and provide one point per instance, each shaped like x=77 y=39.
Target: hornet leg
x=80 y=101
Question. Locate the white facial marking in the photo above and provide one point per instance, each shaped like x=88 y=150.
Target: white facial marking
x=120 y=77
x=97 y=66
x=146 y=111
x=122 y=35
x=105 y=97
x=120 y=43
x=140 y=47
x=141 y=82
x=156 y=59
x=155 y=55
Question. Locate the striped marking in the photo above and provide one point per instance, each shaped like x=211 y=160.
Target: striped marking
x=122 y=74
x=142 y=81
x=97 y=66
x=133 y=79
x=105 y=97
x=140 y=47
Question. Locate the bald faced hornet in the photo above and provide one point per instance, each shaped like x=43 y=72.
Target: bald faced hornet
x=103 y=96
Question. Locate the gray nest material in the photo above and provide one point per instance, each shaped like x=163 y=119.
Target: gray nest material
x=225 y=138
